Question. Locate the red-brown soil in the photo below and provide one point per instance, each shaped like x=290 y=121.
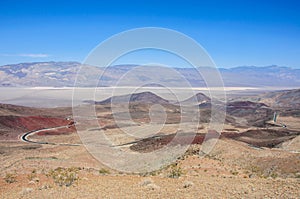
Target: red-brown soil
x=259 y=138
x=66 y=130
x=37 y=122
x=16 y=125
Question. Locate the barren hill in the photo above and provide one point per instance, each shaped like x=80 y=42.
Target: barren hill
x=15 y=120
x=249 y=113
x=143 y=97
x=286 y=98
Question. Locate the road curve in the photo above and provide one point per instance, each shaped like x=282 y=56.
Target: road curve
x=25 y=136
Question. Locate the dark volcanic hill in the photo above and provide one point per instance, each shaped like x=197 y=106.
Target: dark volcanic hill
x=249 y=113
x=143 y=97
x=263 y=137
x=245 y=104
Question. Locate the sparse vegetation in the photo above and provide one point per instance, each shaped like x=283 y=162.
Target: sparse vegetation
x=213 y=157
x=46 y=186
x=273 y=175
x=104 y=171
x=234 y=173
x=41 y=158
x=152 y=173
x=192 y=150
x=33 y=175
x=10 y=178
x=175 y=172
x=64 y=176
x=263 y=173
x=255 y=170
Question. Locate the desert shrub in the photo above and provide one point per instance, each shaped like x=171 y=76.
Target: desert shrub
x=10 y=178
x=175 y=172
x=255 y=169
x=32 y=176
x=213 y=157
x=46 y=186
x=234 y=172
x=64 y=176
x=273 y=175
x=104 y=171
x=151 y=173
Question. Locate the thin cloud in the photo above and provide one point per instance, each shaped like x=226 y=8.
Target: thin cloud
x=34 y=55
x=31 y=55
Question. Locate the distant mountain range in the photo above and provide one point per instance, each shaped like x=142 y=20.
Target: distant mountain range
x=59 y=74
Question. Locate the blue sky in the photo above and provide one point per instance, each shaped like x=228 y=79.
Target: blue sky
x=234 y=33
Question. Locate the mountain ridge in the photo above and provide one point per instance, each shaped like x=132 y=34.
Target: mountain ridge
x=60 y=74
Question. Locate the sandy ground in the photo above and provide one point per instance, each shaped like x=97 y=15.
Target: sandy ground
x=230 y=171
x=91 y=186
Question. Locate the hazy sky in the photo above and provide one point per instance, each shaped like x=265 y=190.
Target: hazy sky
x=234 y=33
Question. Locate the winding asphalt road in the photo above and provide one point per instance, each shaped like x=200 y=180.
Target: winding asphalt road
x=25 y=136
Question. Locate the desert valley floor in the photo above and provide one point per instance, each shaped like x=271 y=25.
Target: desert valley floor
x=254 y=157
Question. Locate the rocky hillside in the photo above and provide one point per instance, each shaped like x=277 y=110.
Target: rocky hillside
x=286 y=98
